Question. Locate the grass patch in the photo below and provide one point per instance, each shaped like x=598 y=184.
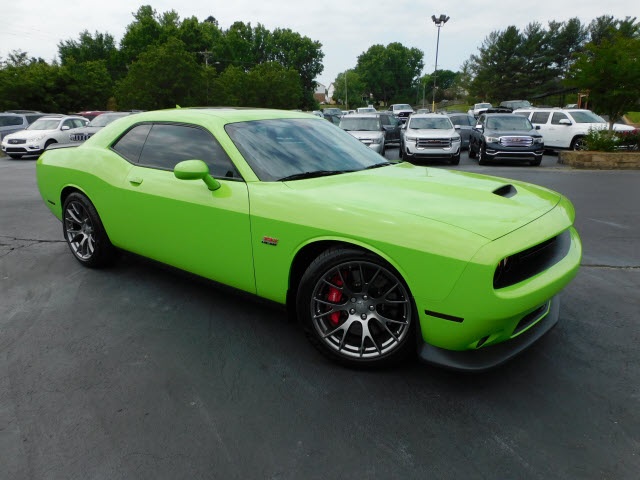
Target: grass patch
x=634 y=117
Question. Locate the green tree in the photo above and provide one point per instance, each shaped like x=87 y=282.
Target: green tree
x=349 y=89
x=389 y=72
x=271 y=85
x=610 y=71
x=162 y=77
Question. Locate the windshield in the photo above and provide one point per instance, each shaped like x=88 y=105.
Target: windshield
x=442 y=123
x=44 y=124
x=280 y=148
x=360 y=123
x=105 y=119
x=463 y=120
x=586 y=116
x=509 y=122
x=403 y=106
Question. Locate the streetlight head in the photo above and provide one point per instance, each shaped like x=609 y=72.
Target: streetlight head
x=441 y=20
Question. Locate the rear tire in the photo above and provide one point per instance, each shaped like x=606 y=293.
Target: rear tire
x=84 y=232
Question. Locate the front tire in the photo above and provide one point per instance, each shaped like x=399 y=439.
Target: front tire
x=472 y=152
x=356 y=309
x=482 y=156
x=84 y=232
x=578 y=143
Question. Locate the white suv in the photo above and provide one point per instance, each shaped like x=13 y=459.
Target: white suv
x=40 y=134
x=566 y=127
x=430 y=136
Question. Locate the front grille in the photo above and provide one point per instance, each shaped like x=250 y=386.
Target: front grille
x=433 y=143
x=79 y=137
x=530 y=262
x=516 y=141
x=16 y=141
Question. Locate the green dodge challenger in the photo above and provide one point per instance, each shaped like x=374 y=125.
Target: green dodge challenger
x=376 y=260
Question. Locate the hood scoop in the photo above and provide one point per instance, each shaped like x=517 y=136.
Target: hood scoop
x=506 y=191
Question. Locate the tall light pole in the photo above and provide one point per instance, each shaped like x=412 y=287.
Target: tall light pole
x=439 y=21
x=346 y=90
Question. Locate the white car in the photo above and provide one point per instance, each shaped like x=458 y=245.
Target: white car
x=40 y=134
x=566 y=128
x=430 y=136
x=479 y=108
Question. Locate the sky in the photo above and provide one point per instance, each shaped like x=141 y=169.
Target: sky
x=345 y=29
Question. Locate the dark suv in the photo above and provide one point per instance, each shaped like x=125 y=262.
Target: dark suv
x=504 y=136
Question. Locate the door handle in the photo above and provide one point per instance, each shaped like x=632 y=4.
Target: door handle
x=135 y=180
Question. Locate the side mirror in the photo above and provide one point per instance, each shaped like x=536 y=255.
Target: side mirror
x=537 y=127
x=457 y=127
x=195 y=170
x=565 y=121
x=65 y=127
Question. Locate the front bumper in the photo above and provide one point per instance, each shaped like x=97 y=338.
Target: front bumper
x=497 y=152
x=480 y=315
x=412 y=151
x=27 y=148
x=492 y=356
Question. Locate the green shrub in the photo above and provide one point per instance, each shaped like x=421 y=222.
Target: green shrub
x=598 y=140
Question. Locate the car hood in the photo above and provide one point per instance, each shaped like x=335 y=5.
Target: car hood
x=430 y=133
x=29 y=134
x=511 y=133
x=487 y=206
x=365 y=133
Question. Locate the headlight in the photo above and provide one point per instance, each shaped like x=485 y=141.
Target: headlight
x=492 y=139
x=410 y=139
x=538 y=140
x=376 y=140
x=456 y=138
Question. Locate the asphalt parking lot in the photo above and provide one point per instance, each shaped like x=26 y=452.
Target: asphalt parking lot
x=140 y=372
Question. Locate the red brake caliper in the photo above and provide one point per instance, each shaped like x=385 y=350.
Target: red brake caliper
x=334 y=296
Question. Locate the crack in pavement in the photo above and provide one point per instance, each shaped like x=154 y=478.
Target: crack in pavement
x=610 y=267
x=9 y=244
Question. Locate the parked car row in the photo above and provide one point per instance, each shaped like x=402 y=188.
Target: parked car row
x=32 y=133
x=42 y=133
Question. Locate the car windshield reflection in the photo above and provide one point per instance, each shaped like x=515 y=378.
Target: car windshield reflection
x=284 y=148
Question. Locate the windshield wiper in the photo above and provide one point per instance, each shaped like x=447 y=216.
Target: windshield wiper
x=315 y=173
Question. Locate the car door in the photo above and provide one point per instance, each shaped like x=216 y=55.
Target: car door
x=181 y=222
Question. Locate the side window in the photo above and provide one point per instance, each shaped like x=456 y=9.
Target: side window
x=68 y=123
x=131 y=143
x=557 y=116
x=167 y=145
x=540 y=117
x=77 y=123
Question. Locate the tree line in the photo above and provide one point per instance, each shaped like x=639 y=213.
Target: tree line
x=163 y=60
